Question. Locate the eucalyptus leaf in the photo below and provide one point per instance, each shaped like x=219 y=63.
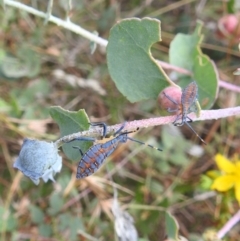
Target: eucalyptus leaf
x=45 y=230
x=172 y=227
x=130 y=62
x=26 y=63
x=7 y=220
x=37 y=215
x=185 y=52
x=13 y=67
x=56 y=204
x=71 y=122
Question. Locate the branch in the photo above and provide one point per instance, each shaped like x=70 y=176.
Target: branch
x=221 y=83
x=63 y=23
x=205 y=115
x=67 y=24
x=229 y=225
x=134 y=125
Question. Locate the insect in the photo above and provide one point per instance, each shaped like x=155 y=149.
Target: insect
x=187 y=105
x=92 y=160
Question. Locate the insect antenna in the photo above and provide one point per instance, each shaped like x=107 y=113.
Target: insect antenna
x=143 y=143
x=186 y=122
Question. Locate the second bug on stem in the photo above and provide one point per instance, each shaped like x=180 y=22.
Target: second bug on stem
x=92 y=160
x=184 y=103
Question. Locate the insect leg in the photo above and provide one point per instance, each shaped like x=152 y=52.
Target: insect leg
x=170 y=98
x=184 y=120
x=105 y=128
x=103 y=125
x=82 y=138
x=76 y=147
x=171 y=110
x=120 y=129
x=189 y=119
x=178 y=118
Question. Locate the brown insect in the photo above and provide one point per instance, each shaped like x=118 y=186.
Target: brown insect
x=187 y=105
x=93 y=159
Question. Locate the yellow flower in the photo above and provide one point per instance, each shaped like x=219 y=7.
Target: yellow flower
x=230 y=177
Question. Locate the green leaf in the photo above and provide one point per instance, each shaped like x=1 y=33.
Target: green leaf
x=2 y=3
x=38 y=89
x=30 y=59
x=64 y=221
x=237 y=72
x=13 y=68
x=195 y=237
x=4 y=106
x=130 y=62
x=71 y=122
x=231 y=6
x=37 y=216
x=107 y=18
x=2 y=54
x=185 y=52
x=29 y=102
x=56 y=204
x=179 y=158
x=155 y=187
x=72 y=226
x=27 y=63
x=45 y=230
x=172 y=227
x=206 y=182
x=7 y=220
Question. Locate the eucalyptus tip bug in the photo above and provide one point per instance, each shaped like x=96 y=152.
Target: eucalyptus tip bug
x=185 y=106
x=92 y=160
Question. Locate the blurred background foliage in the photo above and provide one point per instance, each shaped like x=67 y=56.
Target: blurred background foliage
x=38 y=63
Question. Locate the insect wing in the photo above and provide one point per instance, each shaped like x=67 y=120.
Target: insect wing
x=189 y=97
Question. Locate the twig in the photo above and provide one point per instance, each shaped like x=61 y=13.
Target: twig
x=229 y=225
x=229 y=86
x=221 y=83
x=69 y=10
x=133 y=125
x=94 y=38
x=86 y=235
x=63 y=23
x=205 y=115
x=49 y=10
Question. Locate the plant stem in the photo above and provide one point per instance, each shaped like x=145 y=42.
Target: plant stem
x=221 y=83
x=229 y=225
x=93 y=37
x=63 y=23
x=205 y=115
x=134 y=125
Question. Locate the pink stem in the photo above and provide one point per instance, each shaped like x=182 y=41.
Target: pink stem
x=229 y=225
x=229 y=86
x=221 y=83
x=133 y=125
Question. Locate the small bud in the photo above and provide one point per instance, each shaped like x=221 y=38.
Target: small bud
x=165 y=103
x=228 y=28
x=38 y=159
